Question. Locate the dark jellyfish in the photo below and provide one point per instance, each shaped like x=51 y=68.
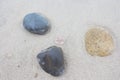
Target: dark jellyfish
x=52 y=60
x=36 y=23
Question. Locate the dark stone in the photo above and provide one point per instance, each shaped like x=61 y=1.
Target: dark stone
x=52 y=61
x=36 y=23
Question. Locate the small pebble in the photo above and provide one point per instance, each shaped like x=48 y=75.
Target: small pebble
x=51 y=60
x=18 y=66
x=36 y=23
x=59 y=40
x=98 y=41
x=36 y=75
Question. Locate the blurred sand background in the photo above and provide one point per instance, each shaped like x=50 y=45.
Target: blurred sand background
x=70 y=19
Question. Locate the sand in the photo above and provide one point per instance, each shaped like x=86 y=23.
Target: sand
x=70 y=20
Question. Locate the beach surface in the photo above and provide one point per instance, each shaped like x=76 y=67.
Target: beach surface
x=70 y=20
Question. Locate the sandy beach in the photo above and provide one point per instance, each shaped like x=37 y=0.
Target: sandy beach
x=70 y=20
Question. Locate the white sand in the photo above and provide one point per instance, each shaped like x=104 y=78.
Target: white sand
x=70 y=19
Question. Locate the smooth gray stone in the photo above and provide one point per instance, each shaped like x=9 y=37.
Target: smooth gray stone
x=51 y=60
x=36 y=23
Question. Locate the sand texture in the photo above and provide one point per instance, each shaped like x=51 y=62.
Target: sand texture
x=70 y=20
